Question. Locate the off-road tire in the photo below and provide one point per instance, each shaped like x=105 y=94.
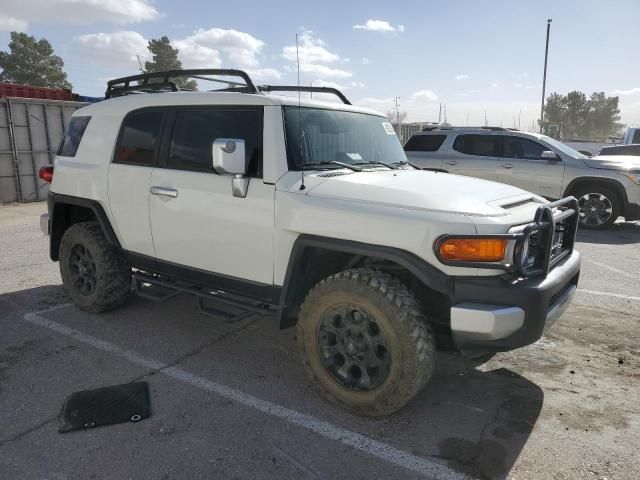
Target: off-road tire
x=112 y=273
x=610 y=194
x=408 y=333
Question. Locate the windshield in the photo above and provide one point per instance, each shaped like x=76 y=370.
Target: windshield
x=562 y=147
x=336 y=136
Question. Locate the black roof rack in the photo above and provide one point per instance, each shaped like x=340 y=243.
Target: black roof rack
x=295 y=88
x=123 y=86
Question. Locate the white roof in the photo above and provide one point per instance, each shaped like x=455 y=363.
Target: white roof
x=134 y=101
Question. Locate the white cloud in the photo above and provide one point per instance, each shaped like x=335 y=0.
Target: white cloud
x=240 y=48
x=339 y=86
x=631 y=91
x=522 y=85
x=462 y=76
x=310 y=50
x=379 y=26
x=494 y=85
x=118 y=49
x=315 y=58
x=10 y=24
x=264 y=74
x=425 y=95
x=78 y=12
x=366 y=61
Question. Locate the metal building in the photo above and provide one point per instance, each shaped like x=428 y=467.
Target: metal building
x=30 y=132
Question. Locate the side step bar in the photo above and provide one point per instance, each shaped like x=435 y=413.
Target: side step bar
x=226 y=306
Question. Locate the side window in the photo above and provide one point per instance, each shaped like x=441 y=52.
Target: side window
x=479 y=145
x=515 y=147
x=196 y=130
x=636 y=136
x=138 y=138
x=424 y=143
x=71 y=141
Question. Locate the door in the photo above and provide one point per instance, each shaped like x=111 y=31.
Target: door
x=129 y=176
x=522 y=167
x=474 y=155
x=195 y=220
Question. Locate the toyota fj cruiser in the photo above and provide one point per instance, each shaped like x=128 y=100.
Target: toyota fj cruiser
x=307 y=210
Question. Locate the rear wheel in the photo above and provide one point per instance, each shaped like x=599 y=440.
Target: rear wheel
x=365 y=342
x=599 y=206
x=94 y=272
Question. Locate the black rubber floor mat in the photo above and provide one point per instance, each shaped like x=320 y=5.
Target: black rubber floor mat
x=105 y=406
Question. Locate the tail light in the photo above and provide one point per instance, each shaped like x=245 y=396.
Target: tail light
x=46 y=173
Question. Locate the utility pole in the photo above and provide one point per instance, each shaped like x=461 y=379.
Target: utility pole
x=395 y=99
x=467 y=119
x=445 y=113
x=440 y=114
x=485 y=118
x=544 y=76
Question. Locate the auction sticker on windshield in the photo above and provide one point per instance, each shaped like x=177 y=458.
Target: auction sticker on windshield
x=388 y=128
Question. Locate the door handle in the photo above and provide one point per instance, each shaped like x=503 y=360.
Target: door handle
x=505 y=165
x=166 y=192
x=451 y=162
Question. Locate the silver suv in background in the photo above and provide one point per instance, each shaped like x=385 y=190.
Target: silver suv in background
x=606 y=186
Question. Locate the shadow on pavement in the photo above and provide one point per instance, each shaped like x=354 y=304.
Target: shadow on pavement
x=620 y=233
x=476 y=421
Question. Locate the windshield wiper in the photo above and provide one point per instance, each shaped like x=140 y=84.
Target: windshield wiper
x=335 y=162
x=373 y=162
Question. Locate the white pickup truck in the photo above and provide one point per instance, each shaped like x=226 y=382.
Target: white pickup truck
x=305 y=210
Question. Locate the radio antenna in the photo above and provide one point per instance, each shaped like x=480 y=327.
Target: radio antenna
x=302 y=186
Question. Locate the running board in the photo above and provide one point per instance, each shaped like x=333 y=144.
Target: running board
x=216 y=304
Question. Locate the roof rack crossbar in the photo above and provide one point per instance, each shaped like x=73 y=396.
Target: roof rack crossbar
x=296 y=88
x=121 y=86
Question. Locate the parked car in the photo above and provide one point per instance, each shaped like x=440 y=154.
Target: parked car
x=632 y=135
x=606 y=187
x=307 y=211
x=631 y=149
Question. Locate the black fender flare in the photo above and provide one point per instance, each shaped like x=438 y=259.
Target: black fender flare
x=290 y=295
x=57 y=220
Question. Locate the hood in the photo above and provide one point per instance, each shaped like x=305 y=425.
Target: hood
x=422 y=190
x=614 y=162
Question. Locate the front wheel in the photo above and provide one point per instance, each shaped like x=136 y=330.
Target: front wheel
x=365 y=342
x=599 y=206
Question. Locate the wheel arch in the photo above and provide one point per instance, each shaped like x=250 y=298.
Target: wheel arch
x=66 y=210
x=582 y=181
x=314 y=258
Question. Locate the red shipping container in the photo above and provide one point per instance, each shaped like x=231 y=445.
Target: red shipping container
x=27 y=91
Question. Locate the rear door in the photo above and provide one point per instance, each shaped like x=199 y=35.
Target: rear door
x=129 y=176
x=522 y=167
x=474 y=155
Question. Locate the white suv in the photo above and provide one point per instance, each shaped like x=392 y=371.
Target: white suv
x=306 y=209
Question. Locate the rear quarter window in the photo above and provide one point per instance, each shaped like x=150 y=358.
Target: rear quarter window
x=73 y=136
x=424 y=143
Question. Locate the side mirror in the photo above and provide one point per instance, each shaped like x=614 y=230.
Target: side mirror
x=550 y=156
x=228 y=156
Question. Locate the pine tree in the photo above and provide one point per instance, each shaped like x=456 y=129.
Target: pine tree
x=32 y=62
x=165 y=57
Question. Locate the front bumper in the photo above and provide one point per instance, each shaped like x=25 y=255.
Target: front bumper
x=502 y=313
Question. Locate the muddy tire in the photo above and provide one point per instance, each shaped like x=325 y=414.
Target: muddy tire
x=365 y=342
x=94 y=273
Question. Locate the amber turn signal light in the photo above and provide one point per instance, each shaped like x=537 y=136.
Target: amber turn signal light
x=473 y=249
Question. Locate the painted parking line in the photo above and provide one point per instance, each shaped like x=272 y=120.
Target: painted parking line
x=328 y=430
x=609 y=294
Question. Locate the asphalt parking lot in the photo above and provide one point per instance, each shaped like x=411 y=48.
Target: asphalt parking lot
x=232 y=400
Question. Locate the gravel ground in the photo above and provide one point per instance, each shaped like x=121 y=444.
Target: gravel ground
x=232 y=401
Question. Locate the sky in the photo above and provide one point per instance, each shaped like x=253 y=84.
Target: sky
x=475 y=56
